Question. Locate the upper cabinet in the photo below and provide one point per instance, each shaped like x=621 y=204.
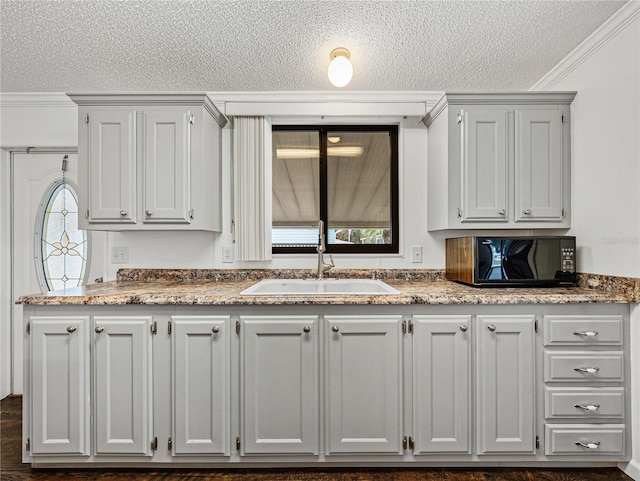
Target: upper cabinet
x=499 y=161
x=149 y=162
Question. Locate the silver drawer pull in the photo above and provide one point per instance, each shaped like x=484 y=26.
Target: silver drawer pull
x=491 y=327
x=463 y=327
x=588 y=407
x=123 y=213
x=335 y=328
x=588 y=370
x=589 y=445
x=215 y=329
x=306 y=329
x=71 y=329
x=586 y=333
x=99 y=329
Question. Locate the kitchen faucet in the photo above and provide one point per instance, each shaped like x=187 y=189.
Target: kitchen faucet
x=322 y=265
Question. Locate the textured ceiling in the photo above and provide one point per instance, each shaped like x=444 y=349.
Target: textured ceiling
x=255 y=45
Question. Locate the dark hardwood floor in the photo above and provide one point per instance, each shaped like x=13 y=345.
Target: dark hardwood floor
x=11 y=468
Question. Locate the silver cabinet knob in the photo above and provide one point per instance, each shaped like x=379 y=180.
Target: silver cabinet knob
x=306 y=329
x=594 y=445
x=588 y=407
x=586 y=333
x=71 y=329
x=526 y=212
x=463 y=327
x=502 y=212
x=99 y=329
x=123 y=213
x=588 y=370
x=215 y=329
x=335 y=328
x=491 y=327
x=148 y=213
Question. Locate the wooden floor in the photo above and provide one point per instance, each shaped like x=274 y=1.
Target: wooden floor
x=11 y=468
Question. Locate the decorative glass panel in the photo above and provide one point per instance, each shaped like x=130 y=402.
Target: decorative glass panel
x=64 y=248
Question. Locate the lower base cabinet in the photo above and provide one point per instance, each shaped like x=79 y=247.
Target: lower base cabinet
x=253 y=386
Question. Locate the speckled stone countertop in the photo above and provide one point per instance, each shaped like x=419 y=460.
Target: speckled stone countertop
x=223 y=287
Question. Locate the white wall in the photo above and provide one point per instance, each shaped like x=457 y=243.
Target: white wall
x=605 y=72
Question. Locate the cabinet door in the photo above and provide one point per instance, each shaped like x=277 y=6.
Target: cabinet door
x=200 y=381
x=59 y=385
x=112 y=166
x=485 y=156
x=363 y=366
x=506 y=384
x=538 y=165
x=441 y=384
x=166 y=166
x=122 y=383
x=280 y=384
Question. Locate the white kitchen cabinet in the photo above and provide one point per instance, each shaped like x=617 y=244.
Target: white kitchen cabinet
x=280 y=385
x=200 y=385
x=122 y=385
x=441 y=384
x=149 y=162
x=499 y=161
x=505 y=383
x=60 y=385
x=363 y=385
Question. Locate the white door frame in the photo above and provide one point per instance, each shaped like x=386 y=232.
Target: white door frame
x=8 y=337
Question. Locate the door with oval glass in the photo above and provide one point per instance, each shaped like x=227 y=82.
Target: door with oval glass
x=48 y=251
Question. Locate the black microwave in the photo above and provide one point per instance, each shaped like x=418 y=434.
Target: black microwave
x=512 y=261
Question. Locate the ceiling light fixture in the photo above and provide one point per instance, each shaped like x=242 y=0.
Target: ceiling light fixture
x=333 y=140
x=295 y=153
x=340 y=69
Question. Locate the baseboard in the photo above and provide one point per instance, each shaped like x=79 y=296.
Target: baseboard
x=632 y=468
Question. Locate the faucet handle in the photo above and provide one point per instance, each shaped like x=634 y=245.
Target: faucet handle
x=331 y=259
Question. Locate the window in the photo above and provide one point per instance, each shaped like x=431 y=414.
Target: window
x=63 y=248
x=346 y=176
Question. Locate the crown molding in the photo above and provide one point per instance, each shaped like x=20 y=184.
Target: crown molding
x=35 y=99
x=620 y=20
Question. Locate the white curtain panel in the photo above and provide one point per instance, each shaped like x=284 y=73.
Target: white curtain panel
x=252 y=188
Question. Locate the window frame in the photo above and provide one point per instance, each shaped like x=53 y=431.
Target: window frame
x=394 y=188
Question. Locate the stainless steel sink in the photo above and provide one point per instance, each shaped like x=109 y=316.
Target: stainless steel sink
x=320 y=287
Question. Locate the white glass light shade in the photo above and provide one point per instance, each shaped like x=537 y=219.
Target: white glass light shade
x=340 y=68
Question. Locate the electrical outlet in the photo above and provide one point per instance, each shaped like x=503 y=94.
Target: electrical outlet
x=119 y=255
x=416 y=254
x=227 y=254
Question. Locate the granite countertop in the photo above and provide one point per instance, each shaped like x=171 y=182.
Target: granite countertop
x=223 y=287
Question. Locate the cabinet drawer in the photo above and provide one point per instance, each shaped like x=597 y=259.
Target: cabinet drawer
x=582 y=330
x=584 y=439
x=601 y=366
x=579 y=402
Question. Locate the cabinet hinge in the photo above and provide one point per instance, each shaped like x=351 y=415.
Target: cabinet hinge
x=237 y=443
x=404 y=327
x=459 y=213
x=28 y=328
x=410 y=332
x=169 y=444
x=86 y=118
x=191 y=214
x=169 y=332
x=411 y=444
x=460 y=118
x=564 y=213
x=86 y=214
x=404 y=443
x=537 y=442
x=191 y=118
x=535 y=325
x=28 y=446
x=563 y=119
x=154 y=327
x=154 y=444
x=237 y=327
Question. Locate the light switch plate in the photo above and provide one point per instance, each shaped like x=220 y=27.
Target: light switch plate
x=119 y=255
x=416 y=254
